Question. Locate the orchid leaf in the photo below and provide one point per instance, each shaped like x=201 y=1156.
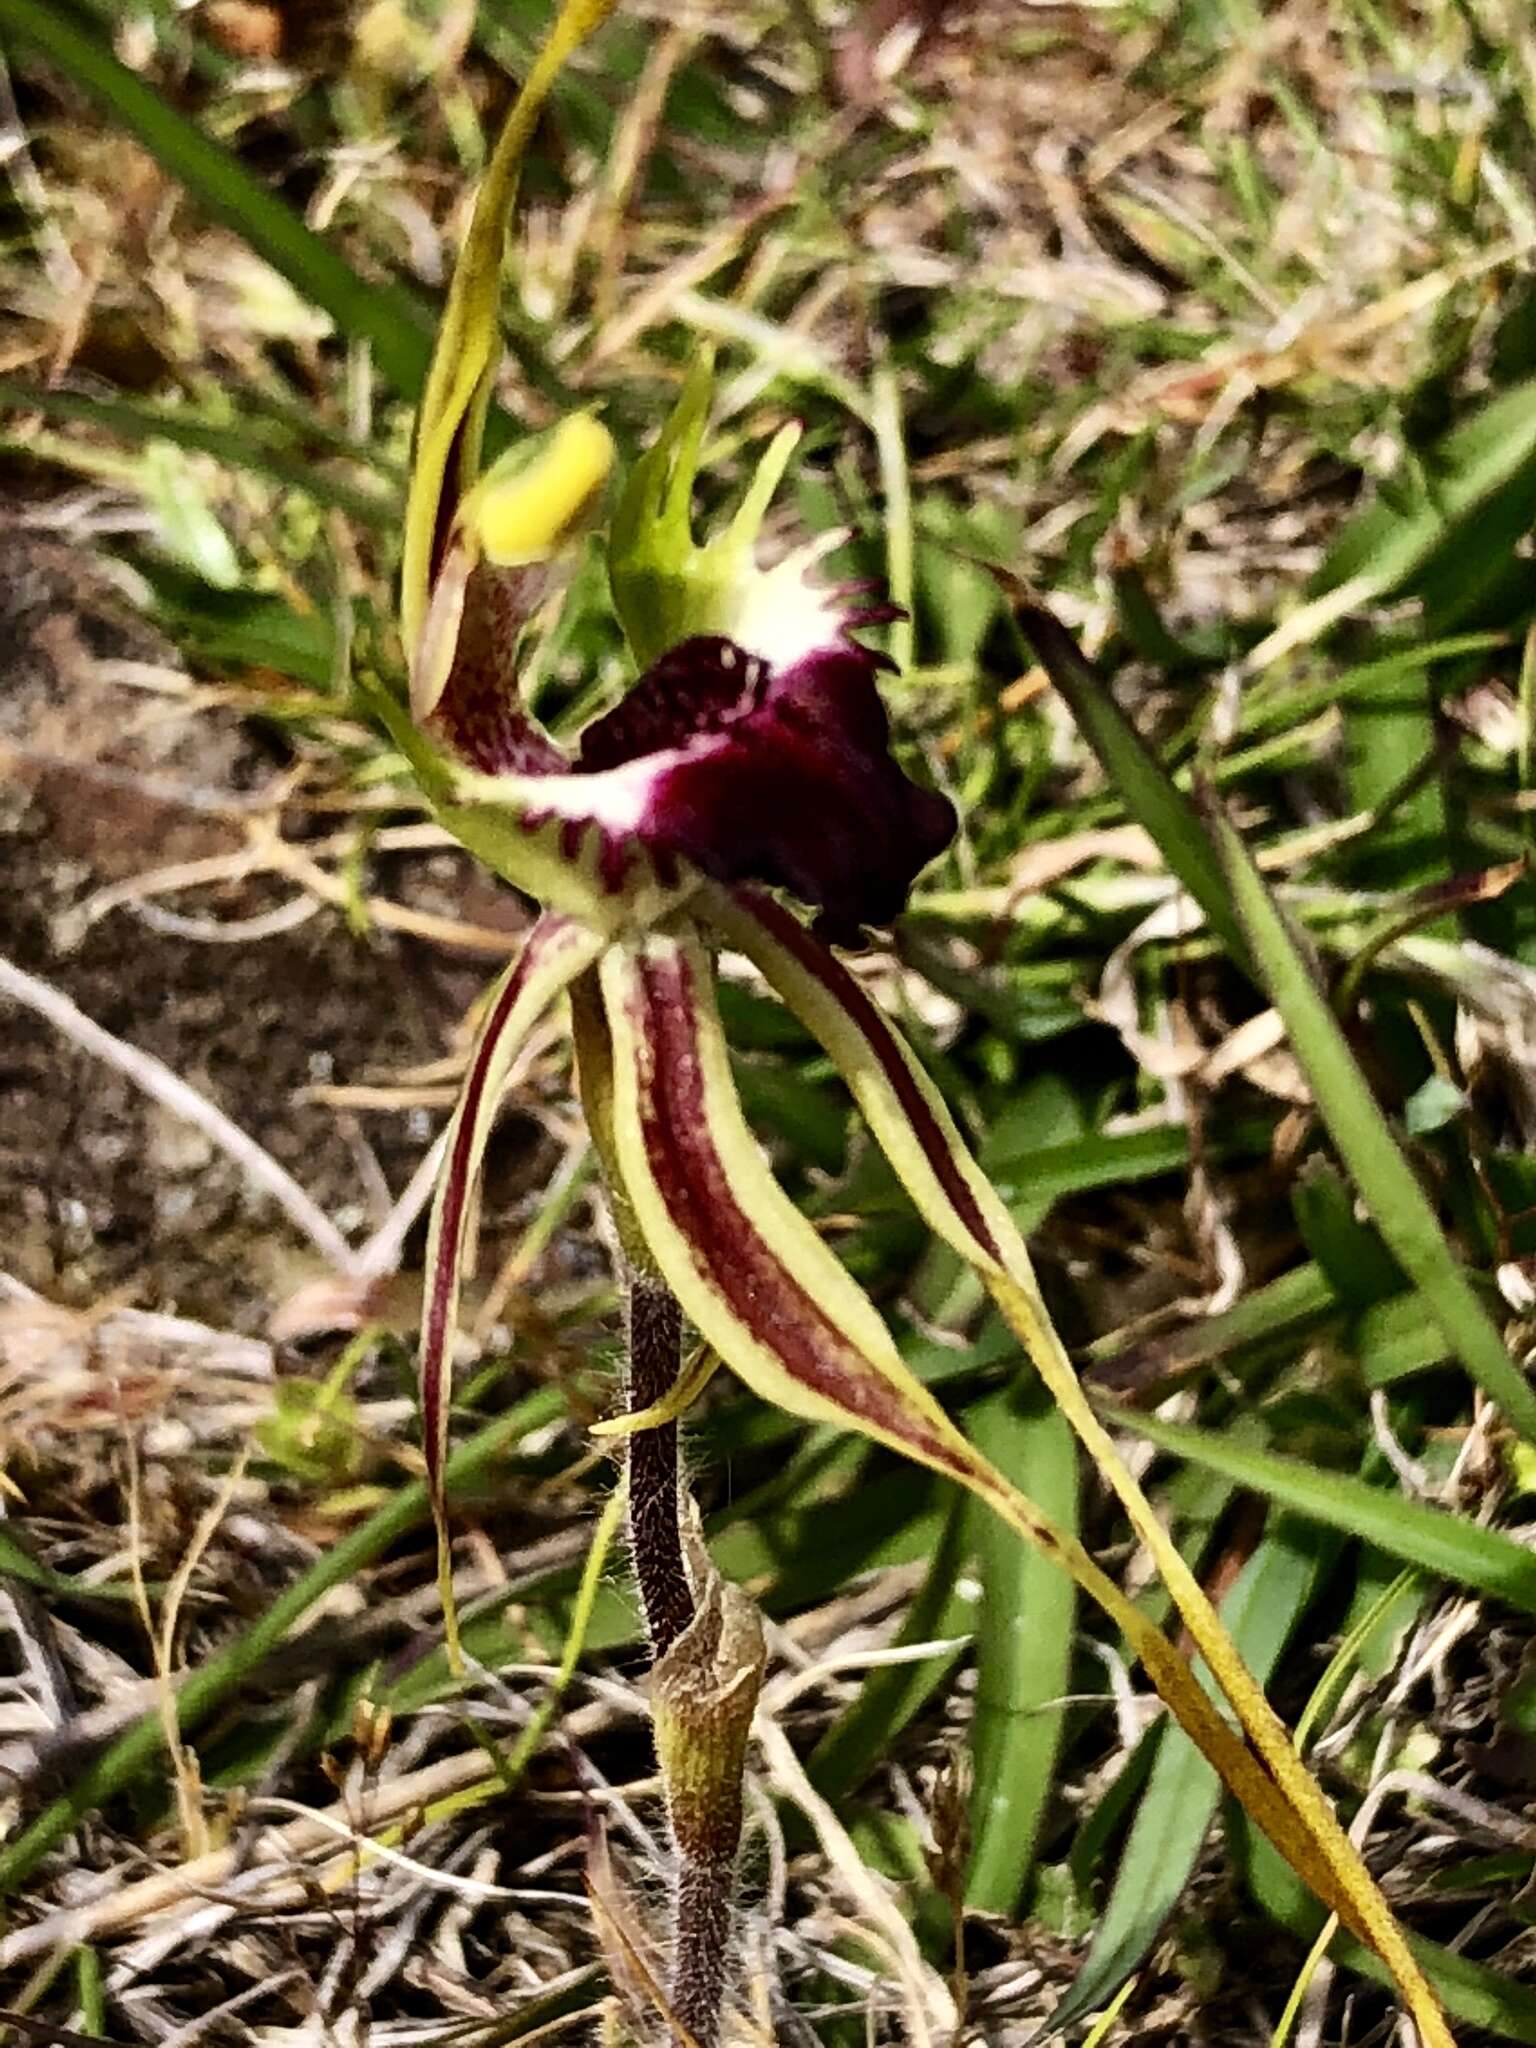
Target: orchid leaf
x=1024 y=1637
x=1398 y=1204
x=555 y=952
x=915 y=1130
x=453 y=408
x=763 y=1289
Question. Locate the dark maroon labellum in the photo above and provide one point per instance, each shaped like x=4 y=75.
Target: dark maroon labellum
x=777 y=776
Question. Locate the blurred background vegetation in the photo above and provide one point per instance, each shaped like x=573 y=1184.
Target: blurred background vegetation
x=1215 y=321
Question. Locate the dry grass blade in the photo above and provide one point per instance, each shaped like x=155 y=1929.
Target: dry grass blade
x=927 y=2005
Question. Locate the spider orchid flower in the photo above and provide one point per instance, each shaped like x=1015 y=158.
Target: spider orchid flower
x=743 y=781
x=749 y=764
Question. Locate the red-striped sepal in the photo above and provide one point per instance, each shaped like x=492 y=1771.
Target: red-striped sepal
x=555 y=952
x=918 y=1135
x=781 y=1311
x=749 y=1270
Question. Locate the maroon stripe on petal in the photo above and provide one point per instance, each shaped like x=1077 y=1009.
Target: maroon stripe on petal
x=761 y=1292
x=846 y=991
x=457 y=1185
x=480 y=713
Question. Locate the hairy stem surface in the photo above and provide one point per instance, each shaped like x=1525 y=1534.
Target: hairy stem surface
x=704 y=1693
x=701 y=1943
x=653 y=1331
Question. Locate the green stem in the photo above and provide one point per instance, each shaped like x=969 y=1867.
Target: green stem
x=223 y=1675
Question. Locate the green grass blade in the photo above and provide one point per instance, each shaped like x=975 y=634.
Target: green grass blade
x=1349 y=1251
x=1446 y=1544
x=1472 y=1992
x=1112 y=1158
x=1397 y=1203
x=1389 y=544
x=1144 y=784
x=1267 y=709
x=1395 y=1339
x=509 y=1769
x=1282 y=1310
x=1023 y=1644
x=387 y=317
x=239 y=449
x=17 y=1562
x=1160 y=1854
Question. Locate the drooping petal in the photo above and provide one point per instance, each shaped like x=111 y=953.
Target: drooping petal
x=915 y=1130
x=554 y=953
x=767 y=1294
x=746 y=1265
x=780 y=776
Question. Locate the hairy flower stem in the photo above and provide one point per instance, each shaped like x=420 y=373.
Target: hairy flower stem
x=653 y=1343
x=701 y=1749
x=653 y=1352
x=704 y=1693
x=703 y=1896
